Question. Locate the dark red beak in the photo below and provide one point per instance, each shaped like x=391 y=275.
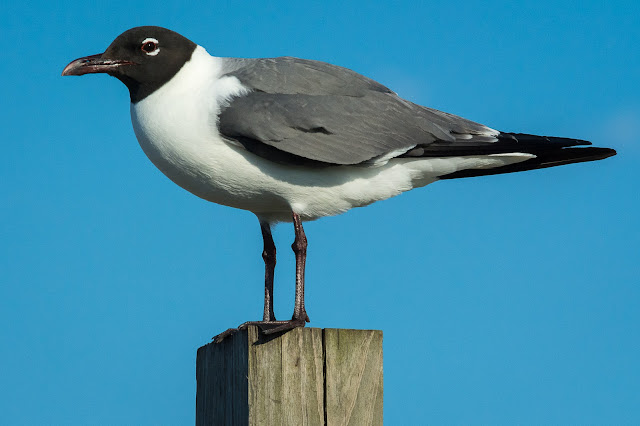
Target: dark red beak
x=93 y=64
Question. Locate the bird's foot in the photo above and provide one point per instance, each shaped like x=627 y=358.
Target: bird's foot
x=265 y=327
x=285 y=326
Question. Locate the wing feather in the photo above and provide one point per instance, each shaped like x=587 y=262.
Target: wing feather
x=299 y=112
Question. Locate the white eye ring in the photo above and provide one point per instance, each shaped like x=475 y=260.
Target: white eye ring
x=153 y=41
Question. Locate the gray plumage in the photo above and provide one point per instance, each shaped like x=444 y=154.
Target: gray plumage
x=301 y=111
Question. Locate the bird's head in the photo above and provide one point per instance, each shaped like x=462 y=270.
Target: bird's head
x=143 y=58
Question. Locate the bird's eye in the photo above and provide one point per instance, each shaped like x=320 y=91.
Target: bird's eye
x=150 y=46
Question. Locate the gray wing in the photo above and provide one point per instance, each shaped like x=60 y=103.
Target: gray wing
x=300 y=111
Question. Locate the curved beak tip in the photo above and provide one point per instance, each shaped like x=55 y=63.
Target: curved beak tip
x=82 y=66
x=92 y=64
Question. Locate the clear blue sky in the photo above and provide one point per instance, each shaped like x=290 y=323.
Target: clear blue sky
x=505 y=299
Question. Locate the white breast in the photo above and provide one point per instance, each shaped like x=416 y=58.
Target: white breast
x=176 y=127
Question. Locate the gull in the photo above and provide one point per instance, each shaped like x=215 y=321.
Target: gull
x=294 y=140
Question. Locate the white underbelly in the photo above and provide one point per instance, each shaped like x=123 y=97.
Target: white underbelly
x=207 y=166
x=225 y=174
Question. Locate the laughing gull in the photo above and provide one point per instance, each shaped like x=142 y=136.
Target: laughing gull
x=293 y=140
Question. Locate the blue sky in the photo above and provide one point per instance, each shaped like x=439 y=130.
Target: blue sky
x=504 y=299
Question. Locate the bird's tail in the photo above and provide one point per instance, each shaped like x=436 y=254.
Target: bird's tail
x=548 y=151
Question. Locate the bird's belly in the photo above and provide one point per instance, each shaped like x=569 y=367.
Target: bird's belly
x=177 y=129
x=205 y=171
x=207 y=166
x=196 y=158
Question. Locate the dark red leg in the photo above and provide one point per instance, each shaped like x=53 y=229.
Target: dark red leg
x=300 y=317
x=269 y=325
x=269 y=256
x=299 y=247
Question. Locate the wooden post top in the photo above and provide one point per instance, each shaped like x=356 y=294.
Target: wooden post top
x=307 y=376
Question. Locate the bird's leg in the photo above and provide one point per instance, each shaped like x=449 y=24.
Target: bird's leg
x=268 y=316
x=269 y=325
x=299 y=247
x=269 y=256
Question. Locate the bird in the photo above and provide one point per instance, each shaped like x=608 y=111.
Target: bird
x=295 y=140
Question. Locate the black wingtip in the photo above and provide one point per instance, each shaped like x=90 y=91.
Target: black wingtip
x=544 y=159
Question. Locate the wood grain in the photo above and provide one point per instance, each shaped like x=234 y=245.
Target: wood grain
x=353 y=377
x=308 y=376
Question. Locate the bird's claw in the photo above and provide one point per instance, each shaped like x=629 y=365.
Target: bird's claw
x=285 y=326
x=265 y=327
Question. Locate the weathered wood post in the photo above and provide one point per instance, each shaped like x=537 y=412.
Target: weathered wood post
x=308 y=376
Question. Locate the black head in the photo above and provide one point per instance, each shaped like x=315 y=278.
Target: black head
x=143 y=58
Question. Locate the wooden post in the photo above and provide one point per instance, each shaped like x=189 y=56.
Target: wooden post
x=308 y=376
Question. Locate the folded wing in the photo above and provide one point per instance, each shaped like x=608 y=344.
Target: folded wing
x=313 y=113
